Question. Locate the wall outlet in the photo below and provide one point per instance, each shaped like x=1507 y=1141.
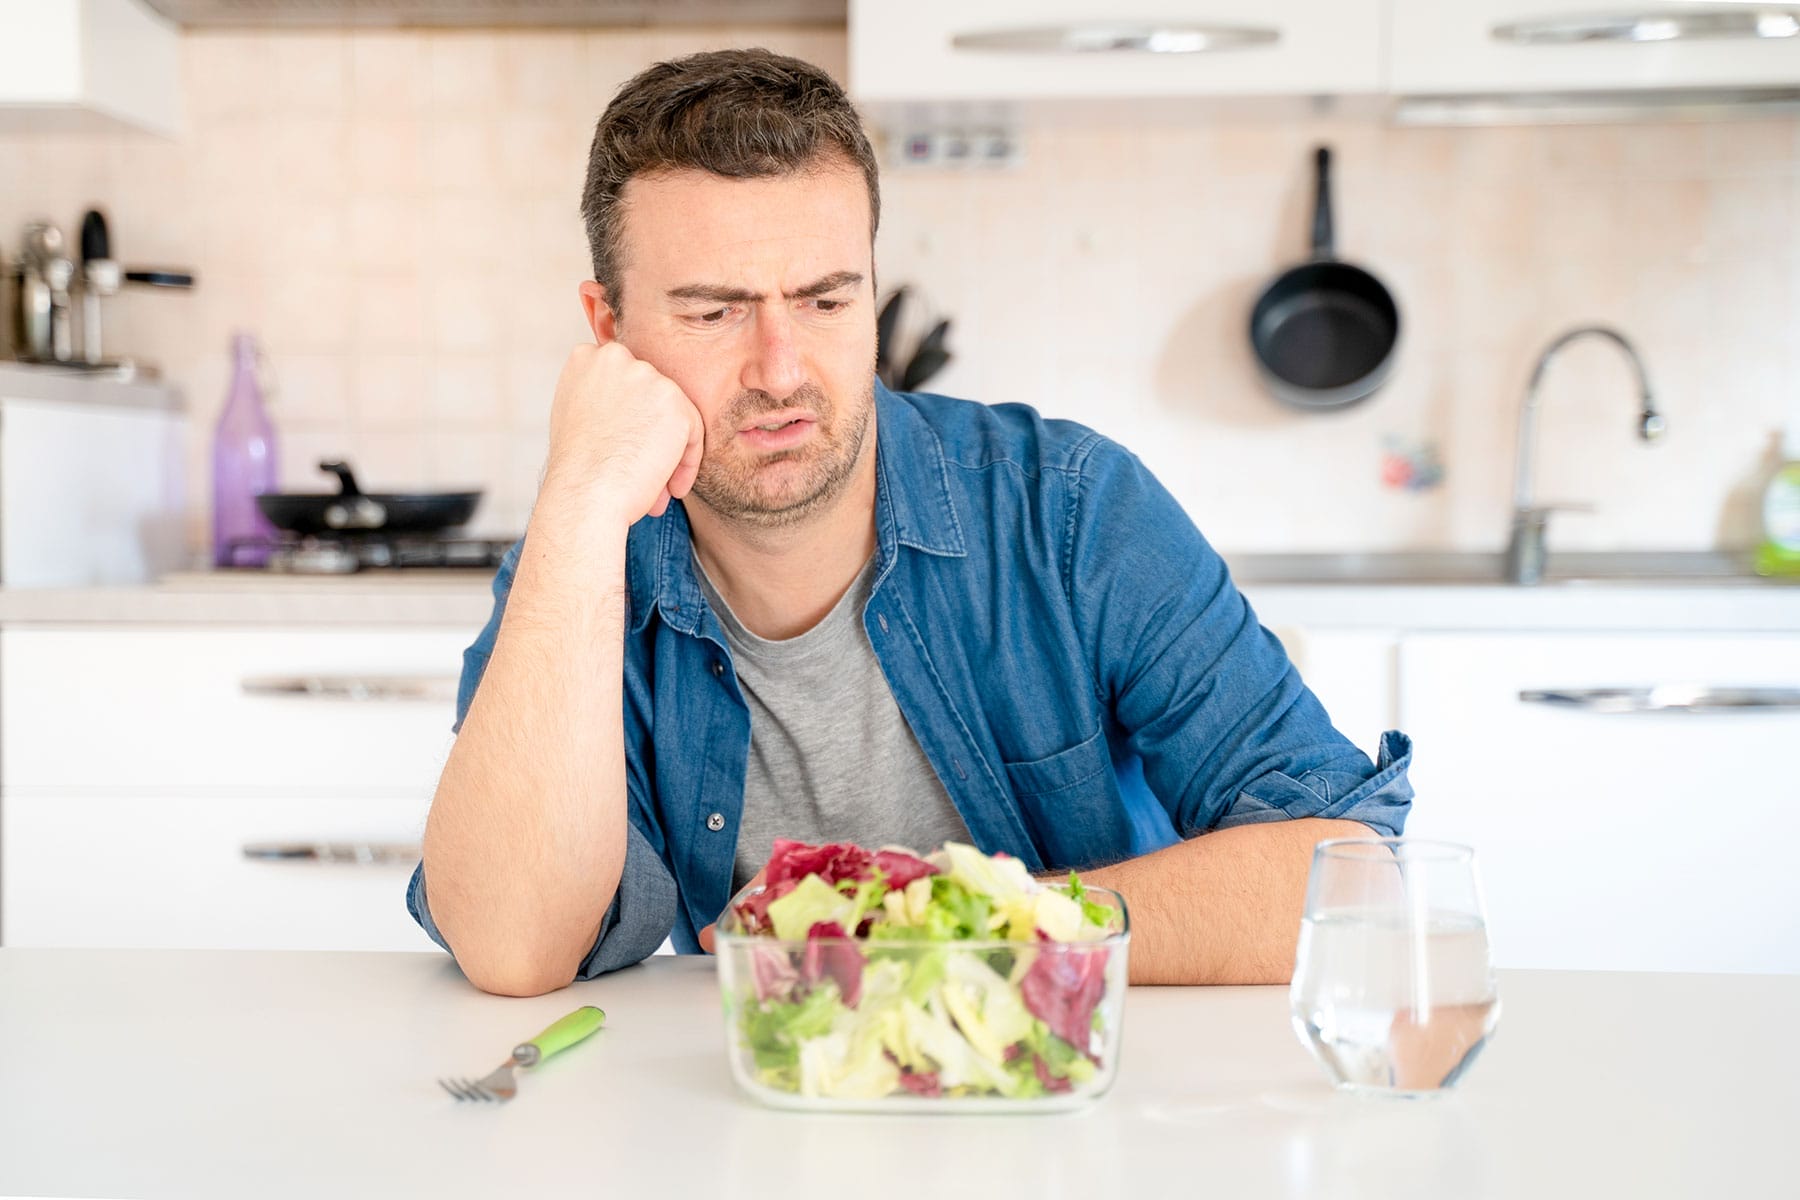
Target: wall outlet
x=958 y=147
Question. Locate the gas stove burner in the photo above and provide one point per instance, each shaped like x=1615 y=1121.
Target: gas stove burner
x=350 y=553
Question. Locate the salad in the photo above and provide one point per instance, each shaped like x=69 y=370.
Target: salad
x=854 y=974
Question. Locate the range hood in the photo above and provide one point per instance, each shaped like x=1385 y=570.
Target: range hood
x=263 y=14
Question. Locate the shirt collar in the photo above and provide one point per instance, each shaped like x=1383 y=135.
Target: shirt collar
x=914 y=507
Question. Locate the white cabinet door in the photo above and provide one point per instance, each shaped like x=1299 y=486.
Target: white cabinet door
x=267 y=711
x=162 y=872
x=136 y=765
x=1351 y=671
x=908 y=51
x=1462 y=46
x=1617 y=841
x=90 y=64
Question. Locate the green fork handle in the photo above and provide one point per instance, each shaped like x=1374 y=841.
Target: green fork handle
x=577 y=1026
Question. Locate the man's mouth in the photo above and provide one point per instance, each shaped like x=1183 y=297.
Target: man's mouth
x=772 y=422
x=782 y=431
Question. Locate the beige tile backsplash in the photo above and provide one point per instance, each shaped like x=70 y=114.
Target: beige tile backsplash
x=395 y=214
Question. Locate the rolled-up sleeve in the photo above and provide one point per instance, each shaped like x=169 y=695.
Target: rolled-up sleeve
x=643 y=908
x=1380 y=801
x=1227 y=731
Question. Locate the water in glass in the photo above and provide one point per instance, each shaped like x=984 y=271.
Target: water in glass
x=1393 y=985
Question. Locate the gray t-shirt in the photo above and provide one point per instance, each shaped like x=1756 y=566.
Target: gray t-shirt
x=831 y=757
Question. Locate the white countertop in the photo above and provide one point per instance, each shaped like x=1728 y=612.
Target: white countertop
x=463 y=598
x=66 y=386
x=1609 y=607
x=1624 y=591
x=209 y=1073
x=448 y=597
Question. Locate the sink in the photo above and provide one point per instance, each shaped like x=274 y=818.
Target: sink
x=1454 y=569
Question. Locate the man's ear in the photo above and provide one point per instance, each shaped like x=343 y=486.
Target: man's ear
x=599 y=313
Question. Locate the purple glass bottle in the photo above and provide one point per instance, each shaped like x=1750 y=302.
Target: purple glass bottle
x=243 y=466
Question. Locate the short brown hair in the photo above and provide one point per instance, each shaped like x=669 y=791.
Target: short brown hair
x=743 y=114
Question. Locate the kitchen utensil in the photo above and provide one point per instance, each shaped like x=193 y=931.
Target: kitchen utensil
x=45 y=282
x=1323 y=333
x=41 y=302
x=928 y=359
x=161 y=277
x=499 y=1084
x=1394 y=990
x=353 y=510
x=100 y=277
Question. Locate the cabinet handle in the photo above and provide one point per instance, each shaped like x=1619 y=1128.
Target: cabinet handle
x=1678 y=697
x=1681 y=24
x=1113 y=37
x=360 y=854
x=430 y=688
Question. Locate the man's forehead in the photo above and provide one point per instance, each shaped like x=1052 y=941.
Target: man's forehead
x=688 y=221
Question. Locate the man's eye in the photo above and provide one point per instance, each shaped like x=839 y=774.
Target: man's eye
x=829 y=306
x=713 y=317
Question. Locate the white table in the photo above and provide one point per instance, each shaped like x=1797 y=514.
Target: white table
x=230 y=1074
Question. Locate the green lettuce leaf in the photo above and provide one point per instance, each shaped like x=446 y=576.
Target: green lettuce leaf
x=812 y=902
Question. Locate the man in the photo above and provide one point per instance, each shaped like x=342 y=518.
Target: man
x=760 y=595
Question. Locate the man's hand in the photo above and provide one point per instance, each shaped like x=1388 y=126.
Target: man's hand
x=622 y=434
x=706 y=935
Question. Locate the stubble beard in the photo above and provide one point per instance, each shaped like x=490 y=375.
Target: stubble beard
x=732 y=488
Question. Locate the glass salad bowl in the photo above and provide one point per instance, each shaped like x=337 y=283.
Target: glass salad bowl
x=903 y=1019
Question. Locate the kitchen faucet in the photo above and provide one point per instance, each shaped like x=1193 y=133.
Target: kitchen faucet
x=1525 y=549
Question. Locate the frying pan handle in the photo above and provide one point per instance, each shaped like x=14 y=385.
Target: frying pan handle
x=1322 y=239
x=346 y=479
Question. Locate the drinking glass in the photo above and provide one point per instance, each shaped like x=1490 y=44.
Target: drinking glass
x=1394 y=990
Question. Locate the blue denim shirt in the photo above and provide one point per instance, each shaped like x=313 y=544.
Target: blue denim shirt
x=1072 y=656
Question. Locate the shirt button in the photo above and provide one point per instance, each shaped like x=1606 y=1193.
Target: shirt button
x=718 y=669
x=716 y=822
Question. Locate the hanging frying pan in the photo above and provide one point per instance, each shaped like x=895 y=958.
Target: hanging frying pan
x=1324 y=332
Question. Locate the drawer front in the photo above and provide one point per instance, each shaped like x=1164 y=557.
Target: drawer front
x=1613 y=836
x=192 y=711
x=910 y=52
x=161 y=872
x=1499 y=46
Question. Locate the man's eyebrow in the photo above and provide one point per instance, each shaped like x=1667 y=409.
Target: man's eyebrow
x=718 y=294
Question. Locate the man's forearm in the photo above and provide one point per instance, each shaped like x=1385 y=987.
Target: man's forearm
x=1224 y=907
x=526 y=838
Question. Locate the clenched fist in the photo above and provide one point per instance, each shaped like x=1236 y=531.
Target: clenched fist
x=623 y=436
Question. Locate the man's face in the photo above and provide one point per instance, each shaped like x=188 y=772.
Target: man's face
x=756 y=296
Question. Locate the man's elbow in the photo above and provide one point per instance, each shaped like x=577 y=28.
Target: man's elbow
x=515 y=982
x=520 y=975
x=520 y=967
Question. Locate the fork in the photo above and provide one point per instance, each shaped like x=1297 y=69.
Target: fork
x=499 y=1085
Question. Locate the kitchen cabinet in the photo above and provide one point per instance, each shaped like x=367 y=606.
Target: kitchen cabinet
x=1636 y=840
x=89 y=64
x=906 y=56
x=1351 y=671
x=1512 y=46
x=907 y=52
x=170 y=871
x=264 y=710
x=137 y=763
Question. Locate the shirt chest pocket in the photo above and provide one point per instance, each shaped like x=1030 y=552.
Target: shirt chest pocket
x=1070 y=802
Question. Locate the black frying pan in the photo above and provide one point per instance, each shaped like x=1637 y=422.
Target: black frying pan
x=1324 y=332
x=352 y=511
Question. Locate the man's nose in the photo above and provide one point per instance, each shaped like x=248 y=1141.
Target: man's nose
x=774 y=363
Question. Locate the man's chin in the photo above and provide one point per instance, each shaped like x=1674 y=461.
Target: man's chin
x=768 y=502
